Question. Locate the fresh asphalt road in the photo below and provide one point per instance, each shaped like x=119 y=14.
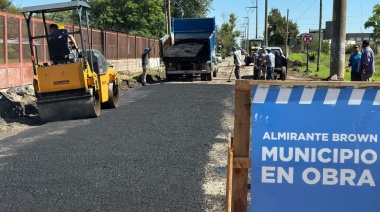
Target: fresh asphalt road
x=147 y=155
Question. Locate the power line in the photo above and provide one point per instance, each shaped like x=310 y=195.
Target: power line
x=297 y=5
x=306 y=10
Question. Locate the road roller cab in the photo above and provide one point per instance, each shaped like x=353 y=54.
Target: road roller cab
x=77 y=80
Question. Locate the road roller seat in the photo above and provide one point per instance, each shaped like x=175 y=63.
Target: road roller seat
x=98 y=62
x=59 y=50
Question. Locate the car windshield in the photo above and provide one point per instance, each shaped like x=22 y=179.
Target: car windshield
x=218 y=55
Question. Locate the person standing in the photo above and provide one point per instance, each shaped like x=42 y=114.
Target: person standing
x=270 y=64
x=367 y=62
x=354 y=62
x=144 y=63
x=237 y=61
x=261 y=63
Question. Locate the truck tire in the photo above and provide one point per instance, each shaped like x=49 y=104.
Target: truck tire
x=209 y=77
x=168 y=78
x=247 y=60
x=203 y=77
x=215 y=73
x=283 y=73
x=255 y=73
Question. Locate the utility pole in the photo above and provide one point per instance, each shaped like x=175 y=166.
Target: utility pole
x=247 y=27
x=169 y=18
x=266 y=23
x=337 y=61
x=287 y=33
x=319 y=35
x=257 y=17
x=249 y=8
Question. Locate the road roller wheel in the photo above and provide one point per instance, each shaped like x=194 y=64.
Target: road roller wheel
x=69 y=109
x=113 y=96
x=97 y=106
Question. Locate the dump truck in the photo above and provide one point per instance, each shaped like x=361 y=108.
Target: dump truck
x=253 y=46
x=190 y=49
x=77 y=81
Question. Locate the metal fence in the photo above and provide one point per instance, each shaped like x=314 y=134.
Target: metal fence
x=15 y=65
x=113 y=45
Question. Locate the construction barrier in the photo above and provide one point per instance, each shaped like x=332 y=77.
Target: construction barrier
x=314 y=147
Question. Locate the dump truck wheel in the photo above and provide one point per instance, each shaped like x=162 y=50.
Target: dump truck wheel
x=209 y=77
x=283 y=73
x=215 y=73
x=256 y=74
x=113 y=96
x=169 y=78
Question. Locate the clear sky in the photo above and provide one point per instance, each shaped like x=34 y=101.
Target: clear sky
x=304 y=12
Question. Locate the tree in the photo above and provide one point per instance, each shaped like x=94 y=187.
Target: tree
x=7 y=6
x=190 y=8
x=226 y=36
x=135 y=17
x=277 y=28
x=313 y=47
x=374 y=21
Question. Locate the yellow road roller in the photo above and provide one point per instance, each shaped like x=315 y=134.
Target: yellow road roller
x=77 y=81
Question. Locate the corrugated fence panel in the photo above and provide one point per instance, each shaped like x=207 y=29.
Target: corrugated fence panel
x=122 y=46
x=25 y=43
x=111 y=45
x=40 y=43
x=97 y=40
x=131 y=47
x=13 y=40
x=139 y=46
x=2 y=56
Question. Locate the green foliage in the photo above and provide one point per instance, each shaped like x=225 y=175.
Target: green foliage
x=312 y=57
x=135 y=17
x=227 y=35
x=325 y=47
x=7 y=6
x=349 y=49
x=190 y=8
x=277 y=28
x=324 y=67
x=374 y=21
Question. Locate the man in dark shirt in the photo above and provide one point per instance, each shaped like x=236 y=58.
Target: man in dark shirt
x=144 y=63
x=354 y=62
x=367 y=62
x=56 y=33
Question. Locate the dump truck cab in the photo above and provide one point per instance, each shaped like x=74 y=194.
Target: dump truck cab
x=74 y=81
x=253 y=46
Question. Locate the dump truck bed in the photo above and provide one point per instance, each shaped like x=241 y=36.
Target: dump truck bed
x=188 y=50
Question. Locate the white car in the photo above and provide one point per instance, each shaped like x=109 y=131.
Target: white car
x=218 y=57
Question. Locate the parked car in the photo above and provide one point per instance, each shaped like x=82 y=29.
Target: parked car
x=218 y=57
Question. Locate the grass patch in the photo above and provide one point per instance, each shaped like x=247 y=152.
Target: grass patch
x=324 y=67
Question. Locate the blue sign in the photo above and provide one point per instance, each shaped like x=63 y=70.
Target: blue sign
x=315 y=149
